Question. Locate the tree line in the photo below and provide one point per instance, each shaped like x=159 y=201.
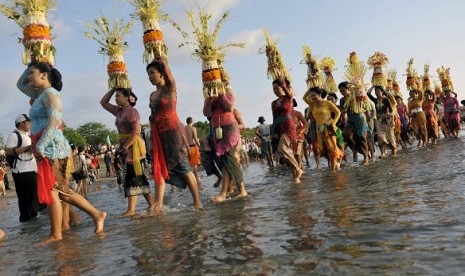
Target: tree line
x=93 y=133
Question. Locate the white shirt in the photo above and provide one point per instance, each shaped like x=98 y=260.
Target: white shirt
x=27 y=162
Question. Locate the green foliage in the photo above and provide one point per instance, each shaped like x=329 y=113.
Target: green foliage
x=202 y=129
x=95 y=133
x=73 y=136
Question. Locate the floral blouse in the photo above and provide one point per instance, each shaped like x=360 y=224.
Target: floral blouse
x=46 y=117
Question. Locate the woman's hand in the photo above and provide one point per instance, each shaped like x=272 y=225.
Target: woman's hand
x=39 y=155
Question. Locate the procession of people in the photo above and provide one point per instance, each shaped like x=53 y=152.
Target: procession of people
x=45 y=161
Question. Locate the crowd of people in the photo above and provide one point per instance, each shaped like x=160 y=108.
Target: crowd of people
x=48 y=170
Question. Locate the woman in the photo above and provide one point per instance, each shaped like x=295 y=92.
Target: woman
x=355 y=105
x=41 y=82
x=452 y=113
x=429 y=106
x=326 y=115
x=402 y=111
x=131 y=143
x=227 y=142
x=417 y=117
x=301 y=126
x=169 y=141
x=385 y=120
x=284 y=129
x=441 y=122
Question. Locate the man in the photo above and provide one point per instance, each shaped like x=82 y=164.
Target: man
x=194 y=145
x=24 y=170
x=263 y=132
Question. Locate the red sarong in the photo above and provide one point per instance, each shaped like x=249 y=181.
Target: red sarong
x=45 y=175
x=160 y=170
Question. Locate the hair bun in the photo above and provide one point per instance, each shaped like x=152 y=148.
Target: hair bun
x=55 y=78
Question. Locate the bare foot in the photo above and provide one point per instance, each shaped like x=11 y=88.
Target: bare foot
x=241 y=195
x=365 y=162
x=100 y=222
x=127 y=214
x=198 y=206
x=218 y=198
x=65 y=228
x=2 y=234
x=157 y=208
x=49 y=240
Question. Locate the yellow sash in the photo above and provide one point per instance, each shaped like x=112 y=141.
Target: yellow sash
x=138 y=150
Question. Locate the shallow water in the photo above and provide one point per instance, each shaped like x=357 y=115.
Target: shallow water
x=401 y=215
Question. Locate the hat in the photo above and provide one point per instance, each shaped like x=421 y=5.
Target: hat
x=22 y=118
x=261 y=119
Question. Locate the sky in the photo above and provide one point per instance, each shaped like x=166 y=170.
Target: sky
x=430 y=31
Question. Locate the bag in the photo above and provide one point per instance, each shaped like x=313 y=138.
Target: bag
x=80 y=174
x=11 y=159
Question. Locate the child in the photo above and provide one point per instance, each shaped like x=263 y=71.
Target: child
x=118 y=167
x=2 y=176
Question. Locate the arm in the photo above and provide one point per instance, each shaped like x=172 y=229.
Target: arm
x=105 y=102
x=302 y=120
x=238 y=116
x=258 y=134
x=53 y=106
x=23 y=86
x=227 y=100
x=11 y=143
x=207 y=107
x=388 y=105
x=307 y=99
x=334 y=109
x=287 y=90
x=166 y=72
x=373 y=99
x=136 y=129
x=196 y=139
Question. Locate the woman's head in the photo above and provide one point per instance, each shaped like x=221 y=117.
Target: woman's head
x=398 y=99
x=317 y=93
x=125 y=96
x=154 y=71
x=278 y=87
x=344 y=88
x=413 y=94
x=41 y=74
x=332 y=97
x=379 y=91
x=428 y=94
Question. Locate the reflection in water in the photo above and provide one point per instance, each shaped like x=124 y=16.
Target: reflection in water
x=401 y=215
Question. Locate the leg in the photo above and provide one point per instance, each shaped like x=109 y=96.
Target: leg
x=191 y=183
x=22 y=193
x=226 y=179
x=159 y=196
x=97 y=216
x=131 y=211
x=55 y=213
x=196 y=174
x=65 y=216
x=149 y=200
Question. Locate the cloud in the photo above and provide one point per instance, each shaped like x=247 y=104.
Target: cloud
x=61 y=30
x=253 y=40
